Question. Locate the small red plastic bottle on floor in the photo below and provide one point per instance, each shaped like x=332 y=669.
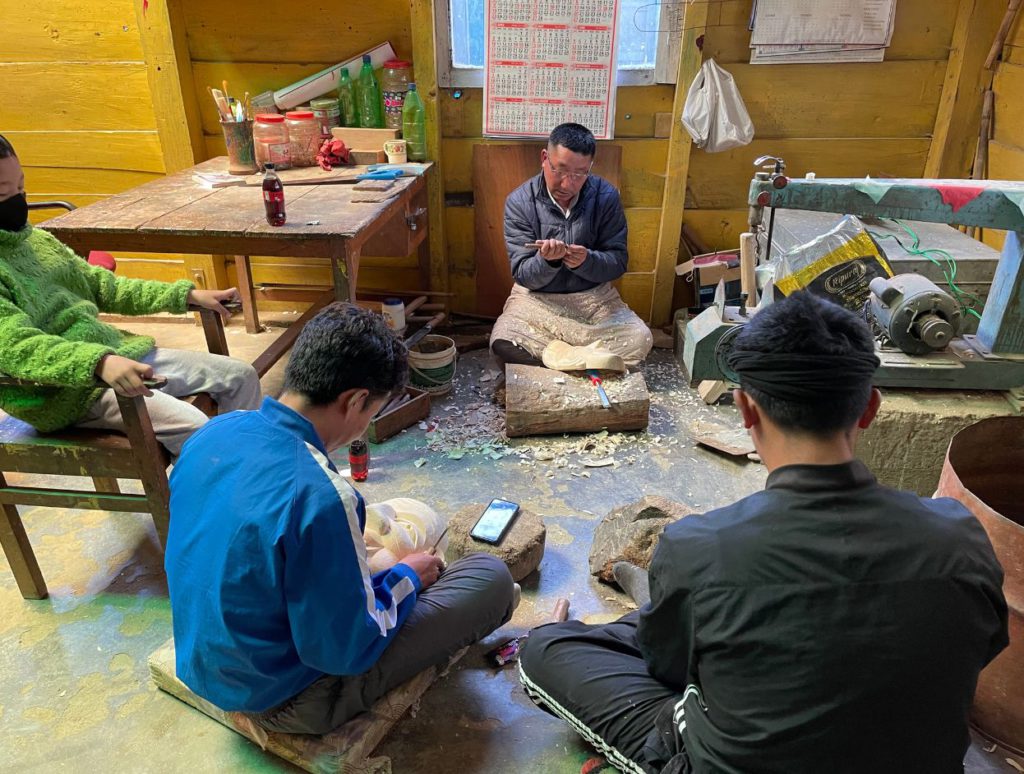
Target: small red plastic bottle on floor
x=359 y=460
x=273 y=196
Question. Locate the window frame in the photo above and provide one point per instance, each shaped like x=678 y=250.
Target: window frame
x=450 y=77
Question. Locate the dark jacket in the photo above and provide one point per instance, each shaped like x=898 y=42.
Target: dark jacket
x=597 y=222
x=826 y=624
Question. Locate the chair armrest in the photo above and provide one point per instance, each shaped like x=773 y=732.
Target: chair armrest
x=213 y=327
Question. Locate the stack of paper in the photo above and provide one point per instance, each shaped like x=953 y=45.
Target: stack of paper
x=808 y=31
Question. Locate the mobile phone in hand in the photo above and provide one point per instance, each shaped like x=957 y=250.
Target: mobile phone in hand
x=495 y=521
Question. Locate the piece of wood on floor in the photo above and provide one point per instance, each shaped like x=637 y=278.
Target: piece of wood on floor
x=346 y=750
x=710 y=390
x=539 y=401
x=734 y=441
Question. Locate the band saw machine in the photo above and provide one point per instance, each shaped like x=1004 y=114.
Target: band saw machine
x=916 y=323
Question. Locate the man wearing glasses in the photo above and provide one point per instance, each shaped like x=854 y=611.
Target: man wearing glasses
x=565 y=231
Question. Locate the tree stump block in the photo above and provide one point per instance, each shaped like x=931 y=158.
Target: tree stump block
x=539 y=401
x=521 y=549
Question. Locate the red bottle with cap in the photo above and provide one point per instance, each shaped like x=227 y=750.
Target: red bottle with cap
x=359 y=460
x=273 y=196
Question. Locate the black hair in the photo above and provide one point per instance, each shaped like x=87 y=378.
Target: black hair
x=574 y=137
x=804 y=324
x=343 y=348
x=6 y=149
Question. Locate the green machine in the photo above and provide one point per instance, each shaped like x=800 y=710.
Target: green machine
x=917 y=323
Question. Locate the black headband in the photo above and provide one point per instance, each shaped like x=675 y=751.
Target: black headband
x=798 y=377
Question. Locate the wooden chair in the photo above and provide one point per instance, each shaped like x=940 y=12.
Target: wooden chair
x=103 y=456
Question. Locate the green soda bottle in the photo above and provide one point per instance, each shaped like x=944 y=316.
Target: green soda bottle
x=368 y=97
x=347 y=100
x=414 y=131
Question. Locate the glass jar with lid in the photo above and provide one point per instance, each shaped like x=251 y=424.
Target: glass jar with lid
x=270 y=141
x=304 y=137
x=395 y=83
x=328 y=114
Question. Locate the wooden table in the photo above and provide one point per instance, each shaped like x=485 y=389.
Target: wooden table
x=178 y=214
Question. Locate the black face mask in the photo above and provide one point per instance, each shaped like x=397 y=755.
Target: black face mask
x=14 y=213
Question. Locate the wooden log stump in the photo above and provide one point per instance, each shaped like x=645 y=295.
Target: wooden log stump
x=539 y=401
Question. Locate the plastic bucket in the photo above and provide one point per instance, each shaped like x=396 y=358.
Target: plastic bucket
x=432 y=364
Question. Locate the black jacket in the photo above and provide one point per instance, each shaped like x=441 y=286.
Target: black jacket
x=597 y=222
x=826 y=624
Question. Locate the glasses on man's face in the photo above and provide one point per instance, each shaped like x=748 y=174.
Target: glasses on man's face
x=575 y=177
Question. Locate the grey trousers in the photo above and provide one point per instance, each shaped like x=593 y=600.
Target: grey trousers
x=471 y=599
x=231 y=382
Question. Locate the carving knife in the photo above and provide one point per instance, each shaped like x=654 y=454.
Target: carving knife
x=595 y=377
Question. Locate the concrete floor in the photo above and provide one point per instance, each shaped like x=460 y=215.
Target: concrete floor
x=74 y=688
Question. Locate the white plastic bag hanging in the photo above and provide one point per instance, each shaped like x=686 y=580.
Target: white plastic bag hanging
x=714 y=114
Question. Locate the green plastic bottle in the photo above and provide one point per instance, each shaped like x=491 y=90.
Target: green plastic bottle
x=413 y=128
x=347 y=101
x=368 y=97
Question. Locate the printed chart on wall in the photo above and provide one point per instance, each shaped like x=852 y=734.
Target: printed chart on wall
x=548 y=62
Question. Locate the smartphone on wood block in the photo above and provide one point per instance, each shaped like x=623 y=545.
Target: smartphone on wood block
x=495 y=521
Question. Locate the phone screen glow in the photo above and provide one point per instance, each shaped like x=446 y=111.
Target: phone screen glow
x=492 y=523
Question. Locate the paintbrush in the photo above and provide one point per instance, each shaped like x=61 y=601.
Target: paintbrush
x=227 y=96
x=247 y=107
x=222 y=105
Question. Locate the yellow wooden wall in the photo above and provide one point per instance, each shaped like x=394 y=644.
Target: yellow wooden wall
x=837 y=120
x=76 y=106
x=1006 y=148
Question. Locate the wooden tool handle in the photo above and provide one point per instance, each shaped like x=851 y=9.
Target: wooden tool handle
x=748 y=262
x=561 y=611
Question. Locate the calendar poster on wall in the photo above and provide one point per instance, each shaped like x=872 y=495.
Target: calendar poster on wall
x=547 y=62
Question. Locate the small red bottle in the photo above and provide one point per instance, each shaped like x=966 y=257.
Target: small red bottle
x=273 y=196
x=359 y=460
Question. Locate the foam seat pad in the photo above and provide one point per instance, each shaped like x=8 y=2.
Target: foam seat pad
x=346 y=749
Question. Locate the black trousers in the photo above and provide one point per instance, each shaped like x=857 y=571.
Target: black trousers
x=471 y=599
x=594 y=678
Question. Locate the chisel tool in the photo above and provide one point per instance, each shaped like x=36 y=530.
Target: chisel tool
x=595 y=377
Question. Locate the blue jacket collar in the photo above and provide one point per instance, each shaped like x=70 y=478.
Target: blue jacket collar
x=276 y=413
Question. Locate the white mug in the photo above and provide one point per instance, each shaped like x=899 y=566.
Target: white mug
x=396 y=151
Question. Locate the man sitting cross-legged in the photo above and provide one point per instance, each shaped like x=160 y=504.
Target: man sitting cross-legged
x=276 y=613
x=826 y=624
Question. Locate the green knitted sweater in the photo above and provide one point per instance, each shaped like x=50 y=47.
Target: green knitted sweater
x=49 y=329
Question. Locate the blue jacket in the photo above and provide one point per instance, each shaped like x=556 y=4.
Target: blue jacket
x=597 y=222
x=266 y=564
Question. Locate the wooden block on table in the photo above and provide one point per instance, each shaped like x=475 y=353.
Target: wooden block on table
x=310 y=176
x=345 y=750
x=539 y=401
x=395 y=421
x=364 y=156
x=373 y=185
x=355 y=137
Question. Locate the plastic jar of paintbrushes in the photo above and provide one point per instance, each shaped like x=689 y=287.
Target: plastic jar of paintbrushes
x=270 y=137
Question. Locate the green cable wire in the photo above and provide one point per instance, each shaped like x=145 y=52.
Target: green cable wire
x=949 y=270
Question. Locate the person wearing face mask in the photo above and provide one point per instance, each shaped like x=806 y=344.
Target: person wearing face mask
x=50 y=332
x=565 y=231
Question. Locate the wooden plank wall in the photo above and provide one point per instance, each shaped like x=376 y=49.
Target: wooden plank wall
x=77 y=107
x=264 y=46
x=835 y=120
x=1006 y=148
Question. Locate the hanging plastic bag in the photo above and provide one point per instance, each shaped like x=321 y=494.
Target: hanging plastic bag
x=714 y=114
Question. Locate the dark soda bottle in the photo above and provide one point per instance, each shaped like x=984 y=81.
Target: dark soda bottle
x=359 y=460
x=273 y=196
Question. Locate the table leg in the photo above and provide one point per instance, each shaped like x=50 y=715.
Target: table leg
x=248 y=294
x=346 y=277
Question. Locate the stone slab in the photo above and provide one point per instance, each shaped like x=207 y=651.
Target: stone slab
x=521 y=549
x=906 y=444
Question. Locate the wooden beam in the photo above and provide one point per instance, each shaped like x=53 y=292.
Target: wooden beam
x=677 y=166
x=424 y=54
x=169 y=69
x=959 y=112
